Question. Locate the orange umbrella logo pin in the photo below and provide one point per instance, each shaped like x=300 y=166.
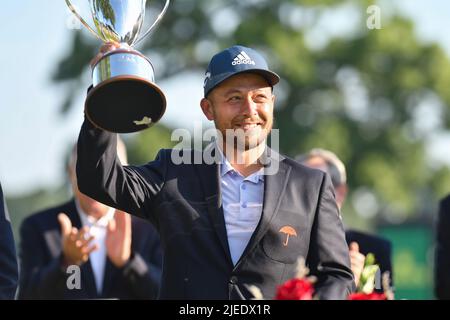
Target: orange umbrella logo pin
x=289 y=231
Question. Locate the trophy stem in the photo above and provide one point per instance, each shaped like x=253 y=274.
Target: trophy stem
x=160 y=16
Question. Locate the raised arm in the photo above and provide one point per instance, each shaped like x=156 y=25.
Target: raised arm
x=102 y=177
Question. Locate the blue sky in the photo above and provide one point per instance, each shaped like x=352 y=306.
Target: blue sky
x=33 y=134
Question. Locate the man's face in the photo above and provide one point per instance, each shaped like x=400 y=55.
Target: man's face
x=320 y=163
x=90 y=206
x=243 y=104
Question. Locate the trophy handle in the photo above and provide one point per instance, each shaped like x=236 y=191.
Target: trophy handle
x=75 y=12
x=161 y=15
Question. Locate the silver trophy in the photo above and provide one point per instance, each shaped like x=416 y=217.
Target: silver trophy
x=124 y=97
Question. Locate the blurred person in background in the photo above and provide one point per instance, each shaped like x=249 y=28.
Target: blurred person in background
x=119 y=256
x=8 y=261
x=442 y=253
x=360 y=243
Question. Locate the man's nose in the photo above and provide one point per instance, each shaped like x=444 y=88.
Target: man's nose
x=249 y=107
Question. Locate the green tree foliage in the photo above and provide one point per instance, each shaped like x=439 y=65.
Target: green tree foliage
x=360 y=94
x=145 y=146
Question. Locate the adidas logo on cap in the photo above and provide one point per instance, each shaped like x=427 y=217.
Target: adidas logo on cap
x=242 y=58
x=207 y=77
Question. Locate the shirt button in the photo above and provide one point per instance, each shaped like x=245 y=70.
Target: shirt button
x=243 y=187
x=244 y=205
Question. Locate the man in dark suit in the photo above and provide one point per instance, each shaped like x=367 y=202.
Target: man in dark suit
x=360 y=243
x=243 y=220
x=8 y=261
x=116 y=256
x=442 y=254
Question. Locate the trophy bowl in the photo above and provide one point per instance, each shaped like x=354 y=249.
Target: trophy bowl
x=124 y=97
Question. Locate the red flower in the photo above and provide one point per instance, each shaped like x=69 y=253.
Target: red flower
x=370 y=296
x=295 y=289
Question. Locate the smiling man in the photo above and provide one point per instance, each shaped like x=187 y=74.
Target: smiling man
x=228 y=225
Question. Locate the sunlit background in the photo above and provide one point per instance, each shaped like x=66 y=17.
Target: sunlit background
x=378 y=98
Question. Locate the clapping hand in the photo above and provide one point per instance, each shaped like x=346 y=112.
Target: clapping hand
x=356 y=261
x=118 y=239
x=76 y=244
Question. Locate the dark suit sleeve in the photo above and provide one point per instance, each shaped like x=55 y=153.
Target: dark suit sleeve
x=143 y=271
x=102 y=177
x=328 y=256
x=442 y=255
x=39 y=279
x=8 y=261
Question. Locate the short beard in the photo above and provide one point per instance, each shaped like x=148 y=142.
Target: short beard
x=241 y=140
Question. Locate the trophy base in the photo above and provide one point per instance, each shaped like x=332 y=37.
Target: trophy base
x=125 y=104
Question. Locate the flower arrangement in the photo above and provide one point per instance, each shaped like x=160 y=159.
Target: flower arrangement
x=366 y=286
x=299 y=288
x=302 y=286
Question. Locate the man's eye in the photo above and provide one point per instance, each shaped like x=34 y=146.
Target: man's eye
x=260 y=98
x=234 y=98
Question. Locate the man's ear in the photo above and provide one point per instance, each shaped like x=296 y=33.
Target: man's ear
x=70 y=171
x=206 y=106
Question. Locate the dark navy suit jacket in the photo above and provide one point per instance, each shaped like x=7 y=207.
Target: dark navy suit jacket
x=8 y=261
x=442 y=255
x=184 y=202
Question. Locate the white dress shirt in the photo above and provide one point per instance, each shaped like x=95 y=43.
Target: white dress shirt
x=98 y=229
x=242 y=199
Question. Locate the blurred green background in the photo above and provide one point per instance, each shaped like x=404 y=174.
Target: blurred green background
x=376 y=97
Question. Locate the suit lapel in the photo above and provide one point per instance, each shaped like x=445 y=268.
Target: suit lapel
x=210 y=180
x=53 y=241
x=274 y=188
